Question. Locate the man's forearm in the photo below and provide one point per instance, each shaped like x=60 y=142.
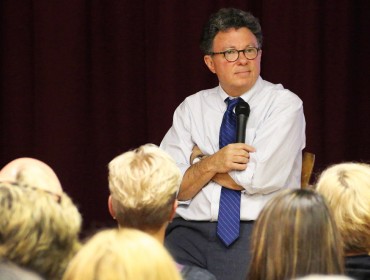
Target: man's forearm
x=195 y=178
x=225 y=180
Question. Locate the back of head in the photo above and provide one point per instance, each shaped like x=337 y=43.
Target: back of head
x=39 y=230
x=122 y=254
x=143 y=185
x=294 y=236
x=346 y=187
x=227 y=18
x=33 y=172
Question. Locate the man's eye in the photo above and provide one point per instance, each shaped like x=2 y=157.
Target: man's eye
x=231 y=51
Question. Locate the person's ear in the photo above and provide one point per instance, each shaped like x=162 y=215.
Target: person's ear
x=110 y=207
x=173 y=210
x=210 y=64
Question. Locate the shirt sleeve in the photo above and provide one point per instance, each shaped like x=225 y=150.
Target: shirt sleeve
x=278 y=141
x=178 y=141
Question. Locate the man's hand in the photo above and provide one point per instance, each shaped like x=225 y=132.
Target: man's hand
x=232 y=157
x=214 y=167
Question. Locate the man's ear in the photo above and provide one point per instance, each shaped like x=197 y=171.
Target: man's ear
x=209 y=62
x=110 y=207
x=173 y=210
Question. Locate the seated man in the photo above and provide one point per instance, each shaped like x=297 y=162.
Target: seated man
x=143 y=184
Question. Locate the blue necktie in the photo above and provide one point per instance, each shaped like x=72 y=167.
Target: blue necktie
x=229 y=212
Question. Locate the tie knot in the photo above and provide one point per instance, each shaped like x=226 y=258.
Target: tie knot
x=231 y=103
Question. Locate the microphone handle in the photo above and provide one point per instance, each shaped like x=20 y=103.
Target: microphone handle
x=240 y=129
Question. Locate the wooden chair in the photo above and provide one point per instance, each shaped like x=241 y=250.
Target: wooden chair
x=308 y=161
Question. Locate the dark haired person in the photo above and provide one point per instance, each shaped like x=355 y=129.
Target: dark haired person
x=295 y=235
x=247 y=174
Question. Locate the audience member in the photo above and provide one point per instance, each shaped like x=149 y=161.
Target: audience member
x=249 y=173
x=39 y=225
x=125 y=254
x=31 y=172
x=294 y=236
x=346 y=187
x=143 y=184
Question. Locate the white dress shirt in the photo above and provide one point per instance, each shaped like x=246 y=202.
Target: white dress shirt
x=275 y=128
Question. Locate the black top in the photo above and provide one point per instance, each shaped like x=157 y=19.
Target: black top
x=358 y=267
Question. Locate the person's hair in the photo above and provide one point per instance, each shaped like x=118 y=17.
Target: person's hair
x=38 y=229
x=143 y=184
x=324 y=277
x=346 y=187
x=295 y=235
x=122 y=254
x=225 y=19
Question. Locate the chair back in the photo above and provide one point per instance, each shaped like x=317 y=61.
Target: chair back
x=308 y=161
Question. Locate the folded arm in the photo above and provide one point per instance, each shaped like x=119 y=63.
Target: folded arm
x=214 y=167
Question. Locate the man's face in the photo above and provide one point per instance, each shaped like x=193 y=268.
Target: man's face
x=239 y=76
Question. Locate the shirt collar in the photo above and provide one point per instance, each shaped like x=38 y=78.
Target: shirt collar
x=246 y=96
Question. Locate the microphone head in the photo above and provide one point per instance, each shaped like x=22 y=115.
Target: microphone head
x=242 y=108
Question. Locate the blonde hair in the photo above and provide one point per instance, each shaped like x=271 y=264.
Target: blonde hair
x=125 y=254
x=39 y=230
x=143 y=185
x=346 y=187
x=324 y=277
x=295 y=235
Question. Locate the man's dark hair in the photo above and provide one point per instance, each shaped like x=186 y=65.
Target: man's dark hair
x=225 y=19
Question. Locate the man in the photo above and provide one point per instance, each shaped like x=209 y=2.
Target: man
x=143 y=184
x=268 y=161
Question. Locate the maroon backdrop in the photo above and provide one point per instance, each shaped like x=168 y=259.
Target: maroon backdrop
x=82 y=81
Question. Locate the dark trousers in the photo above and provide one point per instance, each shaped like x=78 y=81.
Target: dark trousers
x=196 y=243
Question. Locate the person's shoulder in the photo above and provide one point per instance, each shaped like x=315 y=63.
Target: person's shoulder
x=196 y=273
x=198 y=99
x=9 y=270
x=202 y=94
x=358 y=267
x=358 y=261
x=279 y=92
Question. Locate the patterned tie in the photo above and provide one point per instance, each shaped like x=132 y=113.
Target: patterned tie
x=229 y=211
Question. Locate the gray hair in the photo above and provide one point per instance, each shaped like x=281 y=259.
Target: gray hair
x=225 y=19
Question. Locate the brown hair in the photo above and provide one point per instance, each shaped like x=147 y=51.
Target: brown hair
x=295 y=235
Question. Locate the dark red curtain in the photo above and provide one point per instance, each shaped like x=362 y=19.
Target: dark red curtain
x=82 y=81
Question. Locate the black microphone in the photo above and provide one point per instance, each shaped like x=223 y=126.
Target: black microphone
x=242 y=111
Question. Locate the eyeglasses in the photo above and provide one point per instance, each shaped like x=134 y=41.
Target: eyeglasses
x=232 y=55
